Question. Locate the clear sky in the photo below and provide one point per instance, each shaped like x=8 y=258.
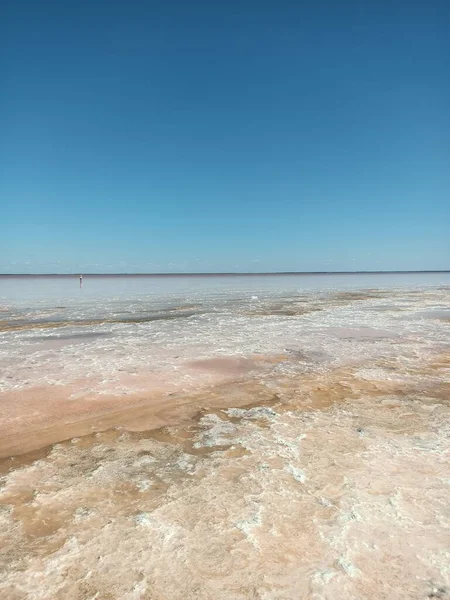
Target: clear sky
x=224 y=136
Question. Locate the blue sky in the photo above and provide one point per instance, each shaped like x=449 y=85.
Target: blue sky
x=239 y=136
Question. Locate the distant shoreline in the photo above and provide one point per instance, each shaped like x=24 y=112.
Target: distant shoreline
x=263 y=274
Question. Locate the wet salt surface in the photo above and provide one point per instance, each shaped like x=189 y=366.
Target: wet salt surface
x=325 y=474
x=443 y=314
x=160 y=326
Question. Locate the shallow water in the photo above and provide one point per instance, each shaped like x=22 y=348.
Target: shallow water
x=303 y=447
x=55 y=333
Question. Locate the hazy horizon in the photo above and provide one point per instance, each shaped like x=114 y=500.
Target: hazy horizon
x=223 y=273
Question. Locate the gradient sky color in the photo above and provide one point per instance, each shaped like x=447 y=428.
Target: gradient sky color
x=238 y=136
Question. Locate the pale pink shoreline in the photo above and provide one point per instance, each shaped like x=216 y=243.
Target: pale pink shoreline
x=33 y=417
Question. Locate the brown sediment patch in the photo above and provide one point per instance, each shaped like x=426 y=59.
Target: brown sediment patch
x=348 y=297
x=11 y=463
x=36 y=417
x=31 y=325
x=439 y=363
x=60 y=418
x=183 y=435
x=293 y=307
x=318 y=391
x=80 y=337
x=33 y=417
x=368 y=294
x=283 y=310
x=56 y=342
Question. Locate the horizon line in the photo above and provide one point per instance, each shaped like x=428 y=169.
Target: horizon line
x=224 y=273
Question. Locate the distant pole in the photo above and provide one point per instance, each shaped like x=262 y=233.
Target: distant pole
x=81 y=281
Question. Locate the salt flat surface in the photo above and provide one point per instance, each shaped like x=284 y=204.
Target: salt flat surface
x=302 y=449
